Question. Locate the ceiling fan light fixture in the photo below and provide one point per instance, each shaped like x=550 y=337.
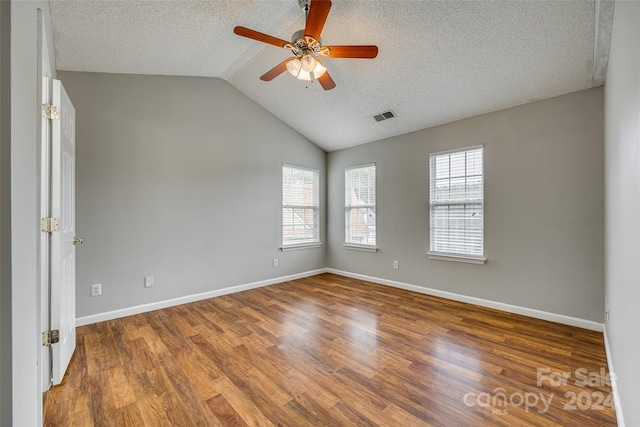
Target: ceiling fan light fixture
x=296 y=69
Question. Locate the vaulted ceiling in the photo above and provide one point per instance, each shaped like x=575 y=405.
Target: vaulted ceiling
x=438 y=61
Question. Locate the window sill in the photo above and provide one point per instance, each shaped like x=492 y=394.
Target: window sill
x=363 y=248
x=456 y=258
x=300 y=246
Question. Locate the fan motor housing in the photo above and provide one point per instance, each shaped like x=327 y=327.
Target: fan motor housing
x=298 y=35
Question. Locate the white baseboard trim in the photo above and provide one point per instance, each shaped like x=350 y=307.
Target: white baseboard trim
x=531 y=312
x=143 y=308
x=538 y=314
x=614 y=380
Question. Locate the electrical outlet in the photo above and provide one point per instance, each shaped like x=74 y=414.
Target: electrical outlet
x=396 y=266
x=96 y=290
x=275 y=262
x=148 y=281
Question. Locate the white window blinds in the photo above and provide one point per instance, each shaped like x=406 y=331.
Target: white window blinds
x=360 y=205
x=300 y=205
x=457 y=202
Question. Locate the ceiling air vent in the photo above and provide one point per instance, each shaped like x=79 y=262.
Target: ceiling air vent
x=384 y=116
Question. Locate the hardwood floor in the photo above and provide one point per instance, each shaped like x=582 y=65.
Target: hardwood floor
x=328 y=350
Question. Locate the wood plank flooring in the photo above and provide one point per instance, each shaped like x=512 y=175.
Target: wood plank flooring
x=332 y=351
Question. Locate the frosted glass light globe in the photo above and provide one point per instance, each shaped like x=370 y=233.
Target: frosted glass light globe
x=308 y=63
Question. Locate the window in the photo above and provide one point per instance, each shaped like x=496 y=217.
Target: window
x=360 y=206
x=300 y=206
x=456 y=204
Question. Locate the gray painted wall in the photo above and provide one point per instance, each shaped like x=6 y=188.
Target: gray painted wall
x=25 y=230
x=5 y=214
x=179 y=178
x=622 y=136
x=543 y=207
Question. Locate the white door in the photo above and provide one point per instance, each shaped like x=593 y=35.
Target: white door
x=63 y=254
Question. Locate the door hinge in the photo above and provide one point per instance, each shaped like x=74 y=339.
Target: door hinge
x=49 y=225
x=51 y=112
x=50 y=337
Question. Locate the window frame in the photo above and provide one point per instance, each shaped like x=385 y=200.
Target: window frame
x=348 y=208
x=455 y=256
x=309 y=243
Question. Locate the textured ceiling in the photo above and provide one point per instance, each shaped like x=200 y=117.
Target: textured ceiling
x=438 y=61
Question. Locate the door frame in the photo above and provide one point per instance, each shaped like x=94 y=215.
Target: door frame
x=45 y=94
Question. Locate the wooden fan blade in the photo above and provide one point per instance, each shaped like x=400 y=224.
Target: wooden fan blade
x=318 y=12
x=367 y=52
x=326 y=81
x=261 y=37
x=275 y=71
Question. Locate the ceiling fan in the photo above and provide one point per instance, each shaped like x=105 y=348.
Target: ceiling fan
x=307 y=47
